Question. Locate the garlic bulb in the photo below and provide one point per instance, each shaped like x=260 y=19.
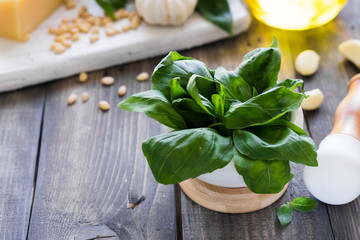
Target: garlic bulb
x=165 y=12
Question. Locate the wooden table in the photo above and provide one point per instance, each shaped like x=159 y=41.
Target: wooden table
x=70 y=172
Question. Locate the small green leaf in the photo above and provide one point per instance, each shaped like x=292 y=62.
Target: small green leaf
x=176 y=156
x=262 y=176
x=303 y=204
x=285 y=214
x=289 y=83
x=218 y=102
x=176 y=90
x=275 y=43
x=217 y=12
x=154 y=104
x=203 y=102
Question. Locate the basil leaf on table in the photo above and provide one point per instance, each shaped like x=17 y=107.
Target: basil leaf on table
x=218 y=12
x=176 y=66
x=261 y=67
x=176 y=156
x=155 y=105
x=285 y=214
x=234 y=84
x=279 y=140
x=203 y=102
x=303 y=204
x=263 y=108
x=110 y=5
x=263 y=176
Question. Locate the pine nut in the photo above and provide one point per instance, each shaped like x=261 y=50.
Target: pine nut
x=107 y=81
x=52 y=30
x=72 y=99
x=75 y=37
x=85 y=97
x=142 y=77
x=66 y=43
x=94 y=38
x=83 y=77
x=122 y=90
x=126 y=28
x=59 y=49
x=95 y=30
x=54 y=45
x=104 y=105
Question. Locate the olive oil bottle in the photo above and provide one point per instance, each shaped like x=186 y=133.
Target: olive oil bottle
x=295 y=14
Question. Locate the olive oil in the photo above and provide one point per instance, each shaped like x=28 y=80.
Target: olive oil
x=295 y=14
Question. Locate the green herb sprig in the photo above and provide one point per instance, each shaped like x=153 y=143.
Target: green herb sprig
x=220 y=115
x=300 y=204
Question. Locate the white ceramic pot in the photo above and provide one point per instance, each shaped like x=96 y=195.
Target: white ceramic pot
x=228 y=176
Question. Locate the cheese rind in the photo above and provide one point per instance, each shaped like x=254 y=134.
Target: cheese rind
x=20 y=17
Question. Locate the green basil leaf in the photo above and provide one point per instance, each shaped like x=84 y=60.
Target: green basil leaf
x=303 y=204
x=155 y=105
x=279 y=140
x=218 y=102
x=176 y=156
x=203 y=102
x=118 y=3
x=176 y=91
x=107 y=6
x=176 y=66
x=193 y=114
x=291 y=84
x=217 y=12
x=285 y=214
x=261 y=67
x=263 y=108
x=263 y=176
x=234 y=84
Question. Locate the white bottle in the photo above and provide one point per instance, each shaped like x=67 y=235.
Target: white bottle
x=337 y=178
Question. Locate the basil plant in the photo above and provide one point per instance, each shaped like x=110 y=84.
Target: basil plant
x=219 y=116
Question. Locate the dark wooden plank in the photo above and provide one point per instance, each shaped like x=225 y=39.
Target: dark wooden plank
x=91 y=165
x=20 y=121
x=200 y=223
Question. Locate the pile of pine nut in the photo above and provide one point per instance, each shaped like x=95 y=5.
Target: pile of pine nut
x=106 y=81
x=69 y=30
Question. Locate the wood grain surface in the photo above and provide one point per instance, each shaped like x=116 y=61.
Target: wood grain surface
x=91 y=167
x=20 y=126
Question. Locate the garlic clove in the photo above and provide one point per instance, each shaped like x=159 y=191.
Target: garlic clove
x=350 y=49
x=307 y=62
x=314 y=100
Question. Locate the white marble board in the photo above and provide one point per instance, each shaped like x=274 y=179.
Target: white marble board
x=32 y=62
